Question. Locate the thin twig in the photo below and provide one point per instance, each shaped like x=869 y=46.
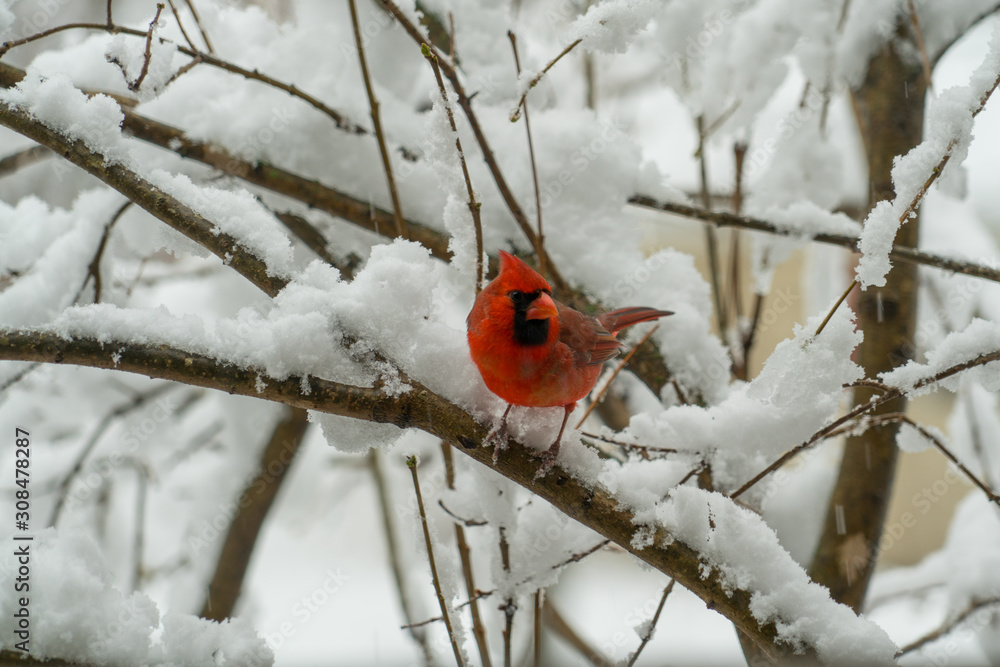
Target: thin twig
x=735 y=277
x=111 y=23
x=538 y=77
x=577 y=557
x=465 y=101
x=829 y=315
x=710 y=240
x=411 y=463
x=947 y=626
x=901 y=253
x=707 y=132
x=95 y=264
x=648 y=634
x=451 y=39
x=559 y=625
x=134 y=86
x=18 y=377
x=937 y=442
x=859 y=410
x=508 y=607
x=474 y=206
x=201 y=28
x=138 y=545
x=180 y=24
x=373 y=104
x=539 y=605
x=540 y=238
x=137 y=402
x=395 y=555
x=614 y=374
x=631 y=445
x=478 y=627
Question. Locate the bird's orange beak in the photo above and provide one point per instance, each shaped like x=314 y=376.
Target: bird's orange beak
x=542 y=308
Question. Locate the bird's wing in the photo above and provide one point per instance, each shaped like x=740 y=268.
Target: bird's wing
x=590 y=342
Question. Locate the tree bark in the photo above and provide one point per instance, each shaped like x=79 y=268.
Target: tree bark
x=889 y=107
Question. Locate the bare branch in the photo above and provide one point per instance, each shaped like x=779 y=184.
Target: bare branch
x=95 y=437
x=148 y=55
x=201 y=28
x=614 y=374
x=397 y=208
x=395 y=555
x=540 y=238
x=474 y=206
x=478 y=627
x=538 y=77
x=948 y=626
x=862 y=409
x=648 y=634
x=411 y=463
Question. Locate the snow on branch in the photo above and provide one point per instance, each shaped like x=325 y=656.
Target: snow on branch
x=261 y=257
x=690 y=529
x=949 y=132
x=829 y=237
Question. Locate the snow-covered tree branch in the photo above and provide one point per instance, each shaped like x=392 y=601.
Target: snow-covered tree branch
x=239 y=243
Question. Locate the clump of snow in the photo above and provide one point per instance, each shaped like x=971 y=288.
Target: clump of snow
x=802 y=221
x=62 y=107
x=981 y=337
x=443 y=156
x=796 y=393
x=237 y=214
x=912 y=441
x=79 y=616
x=745 y=553
x=949 y=132
x=609 y=26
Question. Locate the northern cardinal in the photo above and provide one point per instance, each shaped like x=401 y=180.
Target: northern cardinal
x=534 y=351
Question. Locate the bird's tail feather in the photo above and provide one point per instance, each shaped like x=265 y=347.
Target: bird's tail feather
x=617 y=320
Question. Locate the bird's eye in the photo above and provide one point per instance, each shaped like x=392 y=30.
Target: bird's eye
x=516 y=296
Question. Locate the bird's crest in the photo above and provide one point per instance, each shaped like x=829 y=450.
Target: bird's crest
x=516 y=275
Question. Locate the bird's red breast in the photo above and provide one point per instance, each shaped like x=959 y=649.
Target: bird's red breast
x=532 y=350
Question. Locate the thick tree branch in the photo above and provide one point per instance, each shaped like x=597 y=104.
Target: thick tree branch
x=422 y=409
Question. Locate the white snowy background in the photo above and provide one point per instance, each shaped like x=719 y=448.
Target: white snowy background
x=319 y=589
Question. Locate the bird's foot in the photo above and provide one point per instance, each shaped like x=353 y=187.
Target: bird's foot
x=498 y=438
x=548 y=458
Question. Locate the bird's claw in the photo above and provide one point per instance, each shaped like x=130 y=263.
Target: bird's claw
x=498 y=438
x=548 y=461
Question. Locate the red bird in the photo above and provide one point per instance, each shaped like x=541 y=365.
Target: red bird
x=534 y=351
